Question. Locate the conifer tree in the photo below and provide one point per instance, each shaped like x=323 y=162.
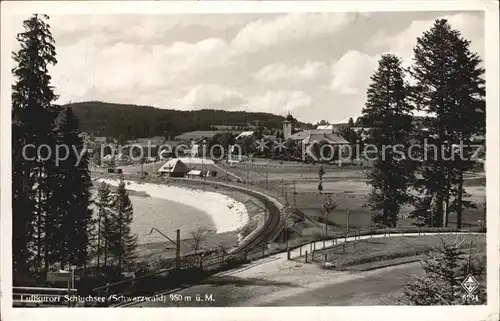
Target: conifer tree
x=104 y=204
x=445 y=270
x=450 y=86
x=76 y=223
x=122 y=242
x=32 y=123
x=351 y=136
x=388 y=110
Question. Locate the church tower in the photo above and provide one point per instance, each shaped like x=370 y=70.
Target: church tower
x=287 y=126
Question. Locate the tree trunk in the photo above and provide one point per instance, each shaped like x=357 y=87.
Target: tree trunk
x=447 y=204
x=46 y=243
x=120 y=243
x=438 y=214
x=20 y=230
x=106 y=243
x=386 y=216
x=39 y=220
x=460 y=196
x=99 y=240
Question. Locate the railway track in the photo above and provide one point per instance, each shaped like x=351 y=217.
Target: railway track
x=272 y=226
x=268 y=232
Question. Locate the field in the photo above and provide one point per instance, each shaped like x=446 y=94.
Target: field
x=348 y=189
x=374 y=253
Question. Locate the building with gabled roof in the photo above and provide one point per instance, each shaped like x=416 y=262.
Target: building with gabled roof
x=174 y=168
x=311 y=136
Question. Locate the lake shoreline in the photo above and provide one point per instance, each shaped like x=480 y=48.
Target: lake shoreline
x=227 y=214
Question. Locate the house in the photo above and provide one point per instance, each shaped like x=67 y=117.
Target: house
x=174 y=168
x=155 y=140
x=245 y=134
x=362 y=132
x=311 y=136
x=107 y=158
x=173 y=148
x=100 y=139
x=195 y=173
x=198 y=135
x=328 y=127
x=122 y=158
x=307 y=138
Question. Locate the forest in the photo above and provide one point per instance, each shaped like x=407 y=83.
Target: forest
x=133 y=121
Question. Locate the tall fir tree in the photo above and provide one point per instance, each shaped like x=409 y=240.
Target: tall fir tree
x=450 y=86
x=73 y=196
x=33 y=118
x=388 y=109
x=105 y=202
x=123 y=242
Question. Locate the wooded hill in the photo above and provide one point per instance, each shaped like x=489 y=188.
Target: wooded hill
x=133 y=121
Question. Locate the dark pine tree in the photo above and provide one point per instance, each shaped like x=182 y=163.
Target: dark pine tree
x=388 y=109
x=445 y=270
x=122 y=242
x=105 y=202
x=74 y=195
x=449 y=85
x=32 y=123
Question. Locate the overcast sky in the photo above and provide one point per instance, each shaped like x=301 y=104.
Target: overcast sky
x=315 y=66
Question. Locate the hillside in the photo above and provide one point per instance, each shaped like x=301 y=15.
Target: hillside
x=132 y=121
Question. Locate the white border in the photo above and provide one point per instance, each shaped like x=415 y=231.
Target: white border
x=489 y=312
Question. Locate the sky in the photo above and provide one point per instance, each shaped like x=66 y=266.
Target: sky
x=317 y=66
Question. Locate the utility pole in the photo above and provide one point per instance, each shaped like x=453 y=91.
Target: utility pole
x=267 y=180
x=282 y=187
x=73 y=268
x=294 y=195
x=326 y=224
x=177 y=244
x=347 y=214
x=178 y=251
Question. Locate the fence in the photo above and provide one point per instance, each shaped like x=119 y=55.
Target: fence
x=341 y=240
x=191 y=272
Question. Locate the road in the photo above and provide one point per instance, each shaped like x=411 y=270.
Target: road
x=378 y=287
x=294 y=284
x=276 y=281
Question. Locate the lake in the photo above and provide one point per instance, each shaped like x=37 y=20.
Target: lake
x=166 y=216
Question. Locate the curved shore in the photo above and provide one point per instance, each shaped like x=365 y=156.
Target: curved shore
x=226 y=213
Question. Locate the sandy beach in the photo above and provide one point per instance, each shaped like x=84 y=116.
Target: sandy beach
x=226 y=213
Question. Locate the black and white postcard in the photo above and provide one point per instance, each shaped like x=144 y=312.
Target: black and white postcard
x=326 y=160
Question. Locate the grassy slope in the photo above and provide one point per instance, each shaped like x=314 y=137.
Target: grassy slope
x=369 y=254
